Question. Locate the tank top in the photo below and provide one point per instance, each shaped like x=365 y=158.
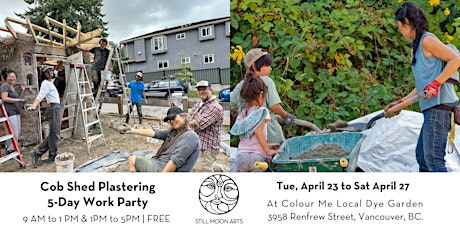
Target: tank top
x=425 y=70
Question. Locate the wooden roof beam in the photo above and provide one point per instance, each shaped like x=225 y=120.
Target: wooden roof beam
x=83 y=38
x=29 y=24
x=49 y=30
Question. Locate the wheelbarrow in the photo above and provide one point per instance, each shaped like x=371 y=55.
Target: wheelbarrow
x=350 y=140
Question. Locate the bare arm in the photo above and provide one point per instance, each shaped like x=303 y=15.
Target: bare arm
x=259 y=133
x=5 y=98
x=144 y=132
x=170 y=167
x=278 y=109
x=434 y=47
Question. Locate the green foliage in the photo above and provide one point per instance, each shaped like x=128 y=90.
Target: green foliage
x=334 y=59
x=87 y=12
x=184 y=74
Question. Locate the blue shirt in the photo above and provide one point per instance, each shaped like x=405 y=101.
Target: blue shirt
x=425 y=70
x=136 y=91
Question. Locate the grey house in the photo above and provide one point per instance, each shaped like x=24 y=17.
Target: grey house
x=205 y=46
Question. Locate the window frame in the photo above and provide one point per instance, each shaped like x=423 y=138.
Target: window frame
x=163 y=62
x=208 y=56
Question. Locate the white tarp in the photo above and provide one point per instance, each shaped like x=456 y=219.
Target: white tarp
x=390 y=144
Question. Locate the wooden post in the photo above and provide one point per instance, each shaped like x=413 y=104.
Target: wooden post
x=185 y=104
x=120 y=104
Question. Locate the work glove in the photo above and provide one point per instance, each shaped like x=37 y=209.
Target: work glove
x=289 y=119
x=432 y=88
x=22 y=100
x=393 y=113
x=125 y=129
x=30 y=107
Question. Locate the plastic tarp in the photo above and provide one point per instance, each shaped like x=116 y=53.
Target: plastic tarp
x=390 y=144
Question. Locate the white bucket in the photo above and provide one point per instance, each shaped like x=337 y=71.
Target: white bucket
x=108 y=75
x=64 y=162
x=46 y=129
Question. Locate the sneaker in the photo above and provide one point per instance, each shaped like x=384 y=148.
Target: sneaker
x=35 y=158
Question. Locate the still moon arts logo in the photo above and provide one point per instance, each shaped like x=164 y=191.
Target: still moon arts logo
x=218 y=194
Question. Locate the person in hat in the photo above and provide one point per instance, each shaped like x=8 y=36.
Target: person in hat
x=179 y=151
x=101 y=54
x=257 y=62
x=136 y=96
x=207 y=117
x=53 y=113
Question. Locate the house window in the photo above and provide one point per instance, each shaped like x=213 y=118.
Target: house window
x=180 y=36
x=208 y=58
x=158 y=44
x=163 y=64
x=206 y=31
x=185 y=60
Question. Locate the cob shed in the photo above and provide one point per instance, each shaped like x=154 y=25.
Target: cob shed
x=26 y=52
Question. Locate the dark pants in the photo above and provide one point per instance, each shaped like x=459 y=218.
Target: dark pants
x=96 y=79
x=139 y=111
x=53 y=113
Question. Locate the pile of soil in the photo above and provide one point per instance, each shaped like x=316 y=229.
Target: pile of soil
x=323 y=151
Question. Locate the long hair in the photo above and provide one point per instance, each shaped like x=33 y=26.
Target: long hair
x=187 y=119
x=417 y=19
x=252 y=86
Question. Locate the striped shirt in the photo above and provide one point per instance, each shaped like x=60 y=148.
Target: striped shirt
x=208 y=118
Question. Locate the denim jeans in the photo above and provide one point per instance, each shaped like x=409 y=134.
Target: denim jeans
x=53 y=113
x=432 y=141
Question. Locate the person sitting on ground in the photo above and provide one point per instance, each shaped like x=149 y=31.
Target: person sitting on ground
x=179 y=151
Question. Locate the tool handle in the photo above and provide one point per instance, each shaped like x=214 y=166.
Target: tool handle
x=406 y=103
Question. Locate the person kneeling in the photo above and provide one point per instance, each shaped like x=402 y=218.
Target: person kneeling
x=179 y=151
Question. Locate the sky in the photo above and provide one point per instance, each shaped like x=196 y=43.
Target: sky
x=132 y=18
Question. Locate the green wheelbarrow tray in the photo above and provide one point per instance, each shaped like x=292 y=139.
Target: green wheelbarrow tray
x=294 y=147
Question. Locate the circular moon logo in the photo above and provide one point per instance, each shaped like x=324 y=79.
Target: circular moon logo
x=218 y=194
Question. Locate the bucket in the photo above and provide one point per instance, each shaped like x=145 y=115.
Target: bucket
x=46 y=129
x=64 y=162
x=108 y=75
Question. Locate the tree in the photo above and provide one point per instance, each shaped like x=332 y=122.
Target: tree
x=184 y=74
x=87 y=12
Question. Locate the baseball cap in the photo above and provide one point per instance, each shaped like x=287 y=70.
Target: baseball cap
x=203 y=84
x=173 y=111
x=139 y=74
x=252 y=56
x=45 y=68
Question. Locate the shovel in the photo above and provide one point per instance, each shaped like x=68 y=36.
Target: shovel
x=358 y=127
x=302 y=123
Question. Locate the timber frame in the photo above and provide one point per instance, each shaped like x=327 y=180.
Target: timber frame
x=67 y=42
